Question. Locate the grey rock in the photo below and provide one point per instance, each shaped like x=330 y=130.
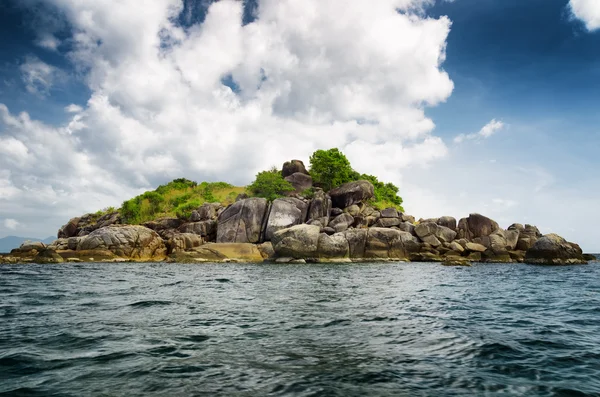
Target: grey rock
x=388 y=222
x=447 y=221
x=407 y=227
x=341 y=222
x=474 y=247
x=293 y=167
x=351 y=193
x=388 y=243
x=300 y=241
x=69 y=229
x=434 y=234
x=285 y=213
x=476 y=225
x=300 y=181
x=207 y=212
x=552 y=249
x=335 y=212
x=242 y=222
x=357 y=240
x=353 y=210
x=329 y=230
x=32 y=245
x=320 y=206
x=129 y=241
x=206 y=229
x=389 y=213
x=184 y=242
x=335 y=246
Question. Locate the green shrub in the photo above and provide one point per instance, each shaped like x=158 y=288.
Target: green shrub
x=270 y=185
x=184 y=211
x=386 y=194
x=131 y=211
x=308 y=193
x=176 y=184
x=330 y=169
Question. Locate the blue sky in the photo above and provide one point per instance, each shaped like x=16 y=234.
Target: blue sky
x=114 y=110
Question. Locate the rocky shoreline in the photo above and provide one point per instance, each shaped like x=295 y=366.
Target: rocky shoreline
x=334 y=226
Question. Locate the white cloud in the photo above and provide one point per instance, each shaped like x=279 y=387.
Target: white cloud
x=11 y=224
x=48 y=41
x=487 y=131
x=587 y=11
x=72 y=108
x=38 y=76
x=158 y=110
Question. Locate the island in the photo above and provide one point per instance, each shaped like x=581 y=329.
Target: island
x=328 y=214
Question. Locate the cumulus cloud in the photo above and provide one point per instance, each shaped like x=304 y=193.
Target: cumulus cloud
x=304 y=78
x=587 y=11
x=38 y=76
x=487 y=131
x=11 y=224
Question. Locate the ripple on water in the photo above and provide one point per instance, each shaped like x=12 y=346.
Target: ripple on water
x=302 y=330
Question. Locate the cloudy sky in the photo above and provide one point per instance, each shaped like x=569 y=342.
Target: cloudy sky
x=488 y=106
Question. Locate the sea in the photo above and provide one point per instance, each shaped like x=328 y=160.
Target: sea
x=363 y=329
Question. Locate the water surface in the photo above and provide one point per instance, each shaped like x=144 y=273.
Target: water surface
x=299 y=330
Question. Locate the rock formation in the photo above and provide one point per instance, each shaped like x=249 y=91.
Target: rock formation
x=339 y=225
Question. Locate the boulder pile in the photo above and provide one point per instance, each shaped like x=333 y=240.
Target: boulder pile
x=336 y=226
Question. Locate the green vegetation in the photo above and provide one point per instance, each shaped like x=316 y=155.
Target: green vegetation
x=386 y=194
x=177 y=198
x=330 y=168
x=270 y=185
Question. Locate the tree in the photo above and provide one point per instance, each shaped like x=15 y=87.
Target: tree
x=386 y=194
x=330 y=168
x=270 y=185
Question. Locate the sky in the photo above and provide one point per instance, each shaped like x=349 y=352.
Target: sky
x=487 y=106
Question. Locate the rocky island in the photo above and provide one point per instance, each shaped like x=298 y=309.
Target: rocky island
x=293 y=218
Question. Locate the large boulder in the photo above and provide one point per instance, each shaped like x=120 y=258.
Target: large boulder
x=552 y=249
x=28 y=246
x=242 y=222
x=387 y=222
x=351 y=193
x=320 y=207
x=335 y=246
x=474 y=247
x=285 y=213
x=476 y=225
x=447 y=221
x=206 y=212
x=528 y=235
x=293 y=167
x=69 y=229
x=300 y=241
x=434 y=234
x=184 y=242
x=384 y=243
x=48 y=256
x=357 y=241
x=300 y=181
x=389 y=213
x=500 y=240
x=207 y=229
x=220 y=252
x=130 y=241
x=341 y=222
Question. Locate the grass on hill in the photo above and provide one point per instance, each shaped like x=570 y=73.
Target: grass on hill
x=177 y=198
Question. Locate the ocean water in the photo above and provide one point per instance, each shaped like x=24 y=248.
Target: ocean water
x=383 y=329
